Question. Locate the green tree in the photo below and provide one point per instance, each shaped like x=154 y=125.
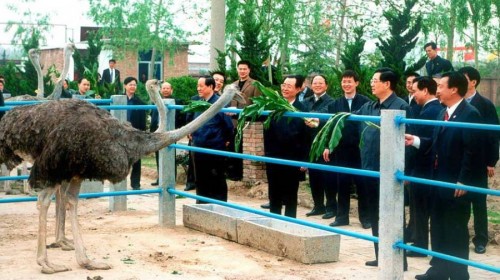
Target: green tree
x=404 y=27
x=140 y=26
x=254 y=42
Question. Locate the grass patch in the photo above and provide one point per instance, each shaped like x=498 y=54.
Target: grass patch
x=494 y=217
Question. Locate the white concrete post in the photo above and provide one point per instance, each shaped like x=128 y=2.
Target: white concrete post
x=167 y=176
x=6 y=184
x=392 y=155
x=118 y=203
x=217 y=30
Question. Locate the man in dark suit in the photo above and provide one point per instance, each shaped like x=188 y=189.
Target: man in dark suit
x=112 y=76
x=322 y=183
x=347 y=153
x=214 y=134
x=286 y=138
x=436 y=64
x=137 y=118
x=489 y=115
x=409 y=157
x=424 y=94
x=306 y=91
x=458 y=159
x=383 y=85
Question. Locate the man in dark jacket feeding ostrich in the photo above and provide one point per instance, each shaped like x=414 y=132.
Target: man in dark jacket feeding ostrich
x=72 y=140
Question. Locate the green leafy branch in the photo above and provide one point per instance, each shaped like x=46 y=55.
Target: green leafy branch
x=329 y=136
x=196 y=106
x=269 y=100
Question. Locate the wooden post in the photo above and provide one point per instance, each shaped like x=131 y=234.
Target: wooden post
x=167 y=175
x=118 y=203
x=392 y=155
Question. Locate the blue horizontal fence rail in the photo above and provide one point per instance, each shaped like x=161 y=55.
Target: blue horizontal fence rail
x=86 y=195
x=398 y=175
x=483 y=266
x=276 y=216
x=331 y=168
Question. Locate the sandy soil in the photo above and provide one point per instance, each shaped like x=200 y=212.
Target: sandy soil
x=138 y=248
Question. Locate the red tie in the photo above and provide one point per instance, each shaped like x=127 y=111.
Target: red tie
x=446 y=116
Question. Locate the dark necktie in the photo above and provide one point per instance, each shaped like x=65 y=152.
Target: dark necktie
x=446 y=116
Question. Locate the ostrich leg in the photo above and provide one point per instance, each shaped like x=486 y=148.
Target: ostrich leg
x=61 y=205
x=44 y=203
x=81 y=256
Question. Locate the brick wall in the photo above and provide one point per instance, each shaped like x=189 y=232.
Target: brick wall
x=178 y=65
x=253 y=144
x=51 y=57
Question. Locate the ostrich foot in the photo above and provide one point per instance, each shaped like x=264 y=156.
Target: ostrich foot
x=49 y=268
x=65 y=244
x=92 y=265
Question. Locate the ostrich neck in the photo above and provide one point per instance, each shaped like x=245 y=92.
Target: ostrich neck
x=164 y=139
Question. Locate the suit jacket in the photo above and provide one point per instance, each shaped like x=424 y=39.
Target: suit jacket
x=307 y=92
x=414 y=107
x=437 y=66
x=137 y=118
x=215 y=132
x=458 y=151
x=2 y=103
x=370 y=151
x=320 y=106
x=179 y=117
x=424 y=162
x=248 y=90
x=287 y=137
x=489 y=114
x=348 y=148
x=106 y=76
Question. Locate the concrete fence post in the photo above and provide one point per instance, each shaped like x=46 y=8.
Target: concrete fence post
x=167 y=174
x=392 y=155
x=118 y=203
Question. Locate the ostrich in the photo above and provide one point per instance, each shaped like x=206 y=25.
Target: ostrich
x=72 y=140
x=34 y=56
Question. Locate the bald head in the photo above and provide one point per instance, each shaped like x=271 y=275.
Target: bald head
x=166 y=90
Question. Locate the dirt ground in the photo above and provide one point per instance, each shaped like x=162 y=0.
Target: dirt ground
x=136 y=247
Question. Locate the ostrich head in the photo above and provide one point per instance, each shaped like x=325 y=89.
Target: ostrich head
x=68 y=52
x=169 y=137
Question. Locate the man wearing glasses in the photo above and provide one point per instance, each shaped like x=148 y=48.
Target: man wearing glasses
x=383 y=85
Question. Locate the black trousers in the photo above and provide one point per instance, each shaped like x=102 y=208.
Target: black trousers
x=344 y=182
x=449 y=235
x=283 y=182
x=209 y=177
x=135 y=175
x=373 y=191
x=420 y=204
x=479 y=211
x=323 y=185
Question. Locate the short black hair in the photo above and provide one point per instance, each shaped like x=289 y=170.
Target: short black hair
x=209 y=81
x=245 y=62
x=299 y=80
x=81 y=79
x=320 y=75
x=350 y=74
x=472 y=73
x=218 y=73
x=426 y=82
x=112 y=60
x=300 y=77
x=2 y=82
x=388 y=75
x=431 y=44
x=129 y=79
x=457 y=80
x=412 y=74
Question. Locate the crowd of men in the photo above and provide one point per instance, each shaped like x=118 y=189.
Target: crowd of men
x=455 y=155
